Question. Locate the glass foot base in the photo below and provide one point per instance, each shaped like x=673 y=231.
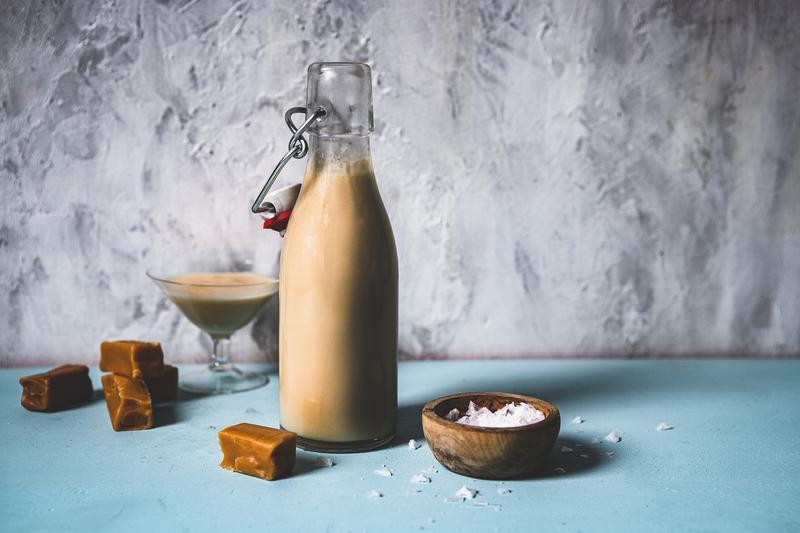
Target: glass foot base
x=222 y=379
x=312 y=445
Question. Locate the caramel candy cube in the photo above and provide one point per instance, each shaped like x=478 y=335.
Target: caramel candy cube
x=135 y=359
x=163 y=388
x=55 y=389
x=258 y=450
x=128 y=402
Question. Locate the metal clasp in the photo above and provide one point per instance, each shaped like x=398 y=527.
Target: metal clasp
x=298 y=148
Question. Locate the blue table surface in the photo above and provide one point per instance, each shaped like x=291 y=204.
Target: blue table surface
x=730 y=464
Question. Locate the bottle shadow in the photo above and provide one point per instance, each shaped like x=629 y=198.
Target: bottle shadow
x=305 y=464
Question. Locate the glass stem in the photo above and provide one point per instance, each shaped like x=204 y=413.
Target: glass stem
x=220 y=354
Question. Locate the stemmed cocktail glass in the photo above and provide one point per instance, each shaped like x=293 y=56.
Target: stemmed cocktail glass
x=219 y=301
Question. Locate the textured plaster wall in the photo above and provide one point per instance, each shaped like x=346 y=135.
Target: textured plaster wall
x=564 y=178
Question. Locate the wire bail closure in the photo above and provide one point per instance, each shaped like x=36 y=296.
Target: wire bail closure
x=298 y=148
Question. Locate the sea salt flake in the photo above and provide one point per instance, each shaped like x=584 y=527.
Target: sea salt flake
x=566 y=449
x=578 y=420
x=419 y=478
x=596 y=440
x=610 y=454
x=385 y=472
x=323 y=462
x=613 y=437
x=663 y=426
x=413 y=445
x=466 y=492
x=374 y=495
x=503 y=490
x=495 y=506
x=559 y=470
x=583 y=456
x=430 y=470
x=510 y=415
x=453 y=415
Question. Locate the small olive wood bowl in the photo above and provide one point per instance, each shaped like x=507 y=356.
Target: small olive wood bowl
x=489 y=453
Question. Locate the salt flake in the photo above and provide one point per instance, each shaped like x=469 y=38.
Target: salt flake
x=323 y=462
x=578 y=420
x=559 y=470
x=430 y=470
x=419 y=478
x=610 y=454
x=613 y=437
x=583 y=456
x=503 y=490
x=510 y=415
x=596 y=440
x=495 y=506
x=466 y=492
x=385 y=472
x=413 y=445
x=374 y=495
x=566 y=449
x=663 y=426
x=453 y=415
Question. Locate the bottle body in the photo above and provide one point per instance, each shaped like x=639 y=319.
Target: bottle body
x=338 y=304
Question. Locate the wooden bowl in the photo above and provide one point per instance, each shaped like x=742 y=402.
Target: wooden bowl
x=489 y=453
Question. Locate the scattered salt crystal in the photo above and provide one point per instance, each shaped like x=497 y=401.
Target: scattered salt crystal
x=385 y=472
x=566 y=449
x=453 y=499
x=419 y=478
x=323 y=462
x=503 y=490
x=577 y=420
x=613 y=437
x=583 y=456
x=374 y=495
x=559 y=470
x=430 y=470
x=495 y=506
x=596 y=440
x=663 y=426
x=466 y=492
x=510 y=415
x=413 y=445
x=610 y=454
x=453 y=415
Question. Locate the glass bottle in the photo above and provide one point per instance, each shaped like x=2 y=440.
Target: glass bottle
x=338 y=279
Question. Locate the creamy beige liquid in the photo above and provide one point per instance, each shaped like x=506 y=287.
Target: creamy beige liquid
x=338 y=284
x=220 y=302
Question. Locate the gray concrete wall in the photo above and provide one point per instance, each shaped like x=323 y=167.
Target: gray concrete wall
x=563 y=178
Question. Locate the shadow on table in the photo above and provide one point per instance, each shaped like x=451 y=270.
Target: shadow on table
x=97 y=395
x=305 y=464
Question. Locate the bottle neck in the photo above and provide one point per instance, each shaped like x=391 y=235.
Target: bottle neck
x=339 y=154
